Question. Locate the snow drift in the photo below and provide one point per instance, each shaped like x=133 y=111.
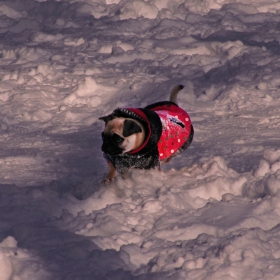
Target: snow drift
x=212 y=213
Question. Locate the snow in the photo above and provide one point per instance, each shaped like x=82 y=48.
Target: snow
x=212 y=212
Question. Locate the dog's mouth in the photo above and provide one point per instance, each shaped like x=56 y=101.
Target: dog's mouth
x=111 y=144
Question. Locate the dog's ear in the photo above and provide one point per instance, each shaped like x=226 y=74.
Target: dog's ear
x=107 y=118
x=130 y=127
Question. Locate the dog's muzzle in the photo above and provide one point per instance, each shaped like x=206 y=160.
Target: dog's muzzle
x=110 y=146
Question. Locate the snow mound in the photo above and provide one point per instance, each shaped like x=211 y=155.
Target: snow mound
x=152 y=212
x=212 y=212
x=14 y=262
x=88 y=93
x=138 y=8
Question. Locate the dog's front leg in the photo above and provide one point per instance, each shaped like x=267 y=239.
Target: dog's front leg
x=111 y=173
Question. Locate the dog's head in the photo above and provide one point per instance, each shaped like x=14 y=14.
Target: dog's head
x=121 y=135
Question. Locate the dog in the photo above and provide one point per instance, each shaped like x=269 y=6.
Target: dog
x=145 y=137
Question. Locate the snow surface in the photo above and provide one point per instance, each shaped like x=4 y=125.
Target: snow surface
x=212 y=213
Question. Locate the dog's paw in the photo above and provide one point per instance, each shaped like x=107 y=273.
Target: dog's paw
x=107 y=181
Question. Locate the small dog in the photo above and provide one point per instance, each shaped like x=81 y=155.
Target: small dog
x=145 y=137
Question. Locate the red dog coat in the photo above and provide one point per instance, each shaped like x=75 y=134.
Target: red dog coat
x=176 y=129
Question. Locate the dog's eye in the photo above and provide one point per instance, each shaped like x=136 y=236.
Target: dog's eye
x=117 y=139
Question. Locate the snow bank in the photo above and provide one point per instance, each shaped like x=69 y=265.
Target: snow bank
x=212 y=212
x=150 y=214
x=152 y=9
x=137 y=9
x=14 y=262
